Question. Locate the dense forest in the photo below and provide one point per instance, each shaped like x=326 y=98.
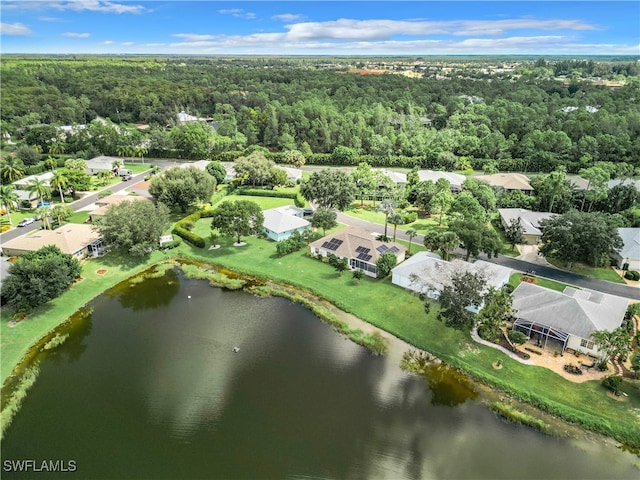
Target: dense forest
x=527 y=115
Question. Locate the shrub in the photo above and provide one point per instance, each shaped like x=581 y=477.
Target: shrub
x=256 y=192
x=517 y=337
x=632 y=275
x=169 y=245
x=187 y=236
x=613 y=383
x=410 y=217
x=188 y=225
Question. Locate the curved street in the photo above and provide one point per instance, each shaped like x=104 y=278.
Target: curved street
x=549 y=272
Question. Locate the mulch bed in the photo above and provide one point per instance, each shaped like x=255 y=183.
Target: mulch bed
x=102 y=271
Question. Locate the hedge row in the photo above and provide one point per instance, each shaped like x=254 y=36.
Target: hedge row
x=256 y=192
x=182 y=230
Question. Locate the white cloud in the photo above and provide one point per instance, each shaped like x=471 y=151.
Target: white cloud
x=127 y=44
x=14 y=29
x=76 y=35
x=237 y=12
x=348 y=29
x=74 y=5
x=108 y=42
x=287 y=17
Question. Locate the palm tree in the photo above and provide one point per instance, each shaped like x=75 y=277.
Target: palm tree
x=387 y=207
x=43 y=214
x=140 y=152
x=448 y=242
x=39 y=188
x=51 y=163
x=411 y=233
x=104 y=176
x=57 y=147
x=61 y=212
x=11 y=169
x=59 y=181
x=396 y=219
x=116 y=165
x=8 y=199
x=122 y=150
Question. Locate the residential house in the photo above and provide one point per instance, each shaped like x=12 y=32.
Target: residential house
x=562 y=320
x=141 y=189
x=507 y=181
x=529 y=220
x=184 y=118
x=104 y=203
x=455 y=179
x=293 y=174
x=80 y=240
x=104 y=163
x=43 y=177
x=280 y=223
x=427 y=273
x=359 y=247
x=200 y=165
x=399 y=178
x=630 y=251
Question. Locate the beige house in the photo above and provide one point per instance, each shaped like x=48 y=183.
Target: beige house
x=75 y=239
x=103 y=204
x=359 y=247
x=529 y=220
x=508 y=181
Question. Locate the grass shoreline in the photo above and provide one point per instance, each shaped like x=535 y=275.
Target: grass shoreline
x=375 y=302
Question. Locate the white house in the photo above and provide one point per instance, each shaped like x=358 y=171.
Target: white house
x=630 y=251
x=104 y=163
x=455 y=179
x=399 y=178
x=426 y=272
x=566 y=319
x=359 y=247
x=43 y=177
x=200 y=165
x=280 y=223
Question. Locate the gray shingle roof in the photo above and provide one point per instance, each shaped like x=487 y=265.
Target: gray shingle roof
x=577 y=312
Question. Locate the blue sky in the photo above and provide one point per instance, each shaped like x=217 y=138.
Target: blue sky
x=320 y=28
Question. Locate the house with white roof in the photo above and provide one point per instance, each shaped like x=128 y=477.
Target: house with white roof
x=455 y=179
x=200 y=165
x=399 y=178
x=562 y=320
x=293 y=174
x=427 y=273
x=105 y=163
x=43 y=177
x=280 y=223
x=630 y=251
x=530 y=221
x=359 y=247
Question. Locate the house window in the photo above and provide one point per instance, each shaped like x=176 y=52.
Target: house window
x=360 y=265
x=586 y=344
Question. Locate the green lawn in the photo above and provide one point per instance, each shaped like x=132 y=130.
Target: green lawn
x=79 y=217
x=602 y=273
x=138 y=167
x=368 y=213
x=264 y=202
x=516 y=278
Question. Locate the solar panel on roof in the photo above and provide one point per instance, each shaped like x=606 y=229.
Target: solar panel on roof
x=362 y=249
x=364 y=257
x=394 y=249
x=382 y=248
x=332 y=244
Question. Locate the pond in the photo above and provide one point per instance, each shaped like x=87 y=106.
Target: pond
x=148 y=386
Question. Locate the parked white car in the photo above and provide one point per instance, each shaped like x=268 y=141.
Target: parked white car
x=26 y=221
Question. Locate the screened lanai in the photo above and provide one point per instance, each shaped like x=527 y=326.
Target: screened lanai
x=541 y=332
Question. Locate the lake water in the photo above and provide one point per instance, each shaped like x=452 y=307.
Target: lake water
x=147 y=386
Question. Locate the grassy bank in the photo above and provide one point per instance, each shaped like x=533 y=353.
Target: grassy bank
x=376 y=301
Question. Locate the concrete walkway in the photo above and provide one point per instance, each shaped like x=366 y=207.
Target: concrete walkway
x=476 y=337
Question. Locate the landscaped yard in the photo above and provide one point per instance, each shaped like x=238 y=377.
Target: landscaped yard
x=264 y=202
x=602 y=273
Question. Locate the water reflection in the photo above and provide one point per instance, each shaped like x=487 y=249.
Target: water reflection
x=164 y=394
x=148 y=293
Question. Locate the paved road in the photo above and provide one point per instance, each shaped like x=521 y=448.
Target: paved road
x=552 y=273
x=77 y=205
